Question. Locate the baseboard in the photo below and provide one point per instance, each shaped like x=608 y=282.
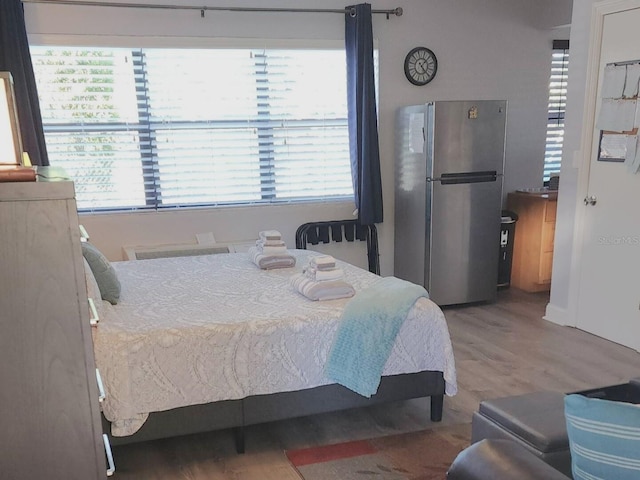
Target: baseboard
x=558 y=315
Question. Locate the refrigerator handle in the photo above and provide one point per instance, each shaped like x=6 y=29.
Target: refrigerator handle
x=466 y=177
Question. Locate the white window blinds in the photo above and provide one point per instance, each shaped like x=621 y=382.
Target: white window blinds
x=158 y=128
x=557 y=106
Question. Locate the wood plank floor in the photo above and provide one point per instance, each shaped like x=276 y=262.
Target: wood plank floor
x=504 y=348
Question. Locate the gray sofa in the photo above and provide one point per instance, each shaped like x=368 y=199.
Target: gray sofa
x=492 y=459
x=520 y=437
x=524 y=437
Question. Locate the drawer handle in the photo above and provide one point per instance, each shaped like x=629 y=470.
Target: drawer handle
x=107 y=449
x=84 y=235
x=94 y=318
x=101 y=393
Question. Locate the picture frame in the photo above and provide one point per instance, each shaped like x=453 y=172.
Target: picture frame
x=10 y=139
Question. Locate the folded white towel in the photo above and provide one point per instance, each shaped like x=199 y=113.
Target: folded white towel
x=269 y=262
x=270 y=235
x=270 y=243
x=323 y=275
x=272 y=250
x=324 y=262
x=328 y=290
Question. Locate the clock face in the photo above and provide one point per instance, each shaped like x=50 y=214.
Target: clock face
x=420 y=66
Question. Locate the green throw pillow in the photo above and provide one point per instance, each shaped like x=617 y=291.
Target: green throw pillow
x=604 y=438
x=104 y=273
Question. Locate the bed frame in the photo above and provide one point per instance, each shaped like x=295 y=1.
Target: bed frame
x=253 y=410
x=335 y=230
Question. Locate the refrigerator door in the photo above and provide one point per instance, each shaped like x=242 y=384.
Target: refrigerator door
x=468 y=136
x=410 y=195
x=463 y=239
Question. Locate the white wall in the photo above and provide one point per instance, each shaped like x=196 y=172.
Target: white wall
x=565 y=258
x=553 y=13
x=486 y=49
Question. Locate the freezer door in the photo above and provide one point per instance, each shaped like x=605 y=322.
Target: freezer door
x=463 y=241
x=468 y=136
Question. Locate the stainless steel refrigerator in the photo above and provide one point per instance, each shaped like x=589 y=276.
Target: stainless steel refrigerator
x=449 y=170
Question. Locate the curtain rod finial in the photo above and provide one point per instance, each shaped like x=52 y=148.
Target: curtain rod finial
x=396 y=11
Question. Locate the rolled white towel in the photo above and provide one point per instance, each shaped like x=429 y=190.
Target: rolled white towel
x=323 y=262
x=323 y=275
x=269 y=262
x=328 y=290
x=270 y=235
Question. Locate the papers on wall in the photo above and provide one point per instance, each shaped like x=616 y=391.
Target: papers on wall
x=635 y=166
x=632 y=158
x=613 y=81
x=619 y=93
x=416 y=133
x=617 y=115
x=631 y=148
x=618 y=147
x=632 y=81
x=613 y=147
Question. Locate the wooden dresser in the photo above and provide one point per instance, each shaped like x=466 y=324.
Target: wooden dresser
x=533 y=242
x=49 y=404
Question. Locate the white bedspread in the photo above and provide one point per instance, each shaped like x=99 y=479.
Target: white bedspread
x=192 y=330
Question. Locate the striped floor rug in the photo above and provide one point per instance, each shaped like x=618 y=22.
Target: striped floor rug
x=423 y=455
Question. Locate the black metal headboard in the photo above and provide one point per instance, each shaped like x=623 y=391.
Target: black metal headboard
x=336 y=231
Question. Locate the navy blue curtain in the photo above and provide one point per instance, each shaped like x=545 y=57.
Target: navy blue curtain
x=15 y=58
x=363 y=121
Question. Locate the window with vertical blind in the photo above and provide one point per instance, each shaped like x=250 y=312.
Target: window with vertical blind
x=152 y=128
x=557 y=106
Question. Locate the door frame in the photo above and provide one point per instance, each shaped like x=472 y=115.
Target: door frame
x=599 y=11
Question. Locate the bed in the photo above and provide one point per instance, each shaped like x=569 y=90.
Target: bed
x=208 y=342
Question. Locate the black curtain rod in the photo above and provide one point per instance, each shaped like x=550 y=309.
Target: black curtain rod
x=396 y=11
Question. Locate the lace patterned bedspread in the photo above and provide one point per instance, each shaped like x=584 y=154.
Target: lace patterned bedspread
x=193 y=330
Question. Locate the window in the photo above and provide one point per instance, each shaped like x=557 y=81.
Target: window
x=161 y=128
x=557 y=106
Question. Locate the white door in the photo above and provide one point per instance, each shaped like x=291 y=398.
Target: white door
x=609 y=295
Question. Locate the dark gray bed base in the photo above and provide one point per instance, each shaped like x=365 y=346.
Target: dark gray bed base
x=279 y=406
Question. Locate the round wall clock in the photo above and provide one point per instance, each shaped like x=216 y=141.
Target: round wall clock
x=420 y=66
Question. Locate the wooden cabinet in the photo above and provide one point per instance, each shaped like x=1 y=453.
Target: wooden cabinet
x=533 y=242
x=49 y=406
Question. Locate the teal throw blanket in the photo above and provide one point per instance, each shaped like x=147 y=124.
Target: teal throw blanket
x=370 y=323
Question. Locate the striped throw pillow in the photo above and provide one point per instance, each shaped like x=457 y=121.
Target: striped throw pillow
x=604 y=438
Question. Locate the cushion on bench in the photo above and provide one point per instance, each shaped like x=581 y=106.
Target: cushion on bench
x=536 y=418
